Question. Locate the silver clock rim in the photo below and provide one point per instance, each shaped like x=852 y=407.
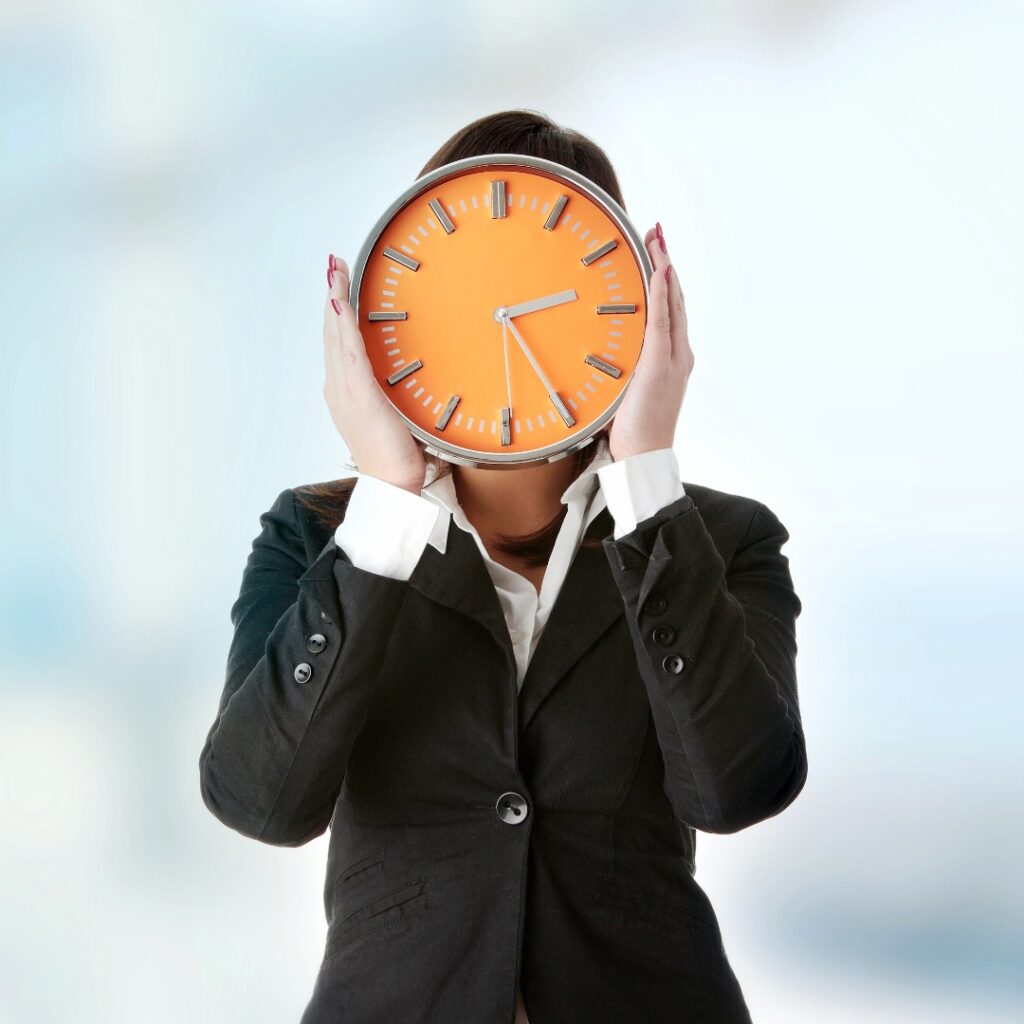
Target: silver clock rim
x=560 y=449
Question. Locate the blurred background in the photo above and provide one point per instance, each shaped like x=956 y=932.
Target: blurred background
x=839 y=184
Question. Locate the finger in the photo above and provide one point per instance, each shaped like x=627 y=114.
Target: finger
x=676 y=302
x=677 y=305
x=349 y=344
x=351 y=339
x=334 y=304
x=662 y=258
x=328 y=308
x=334 y=264
x=332 y=329
x=337 y=277
x=658 y=258
x=657 y=349
x=345 y=328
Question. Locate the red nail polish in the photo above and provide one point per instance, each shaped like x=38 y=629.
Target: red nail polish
x=668 y=273
x=661 y=235
x=337 y=306
x=332 y=262
x=330 y=278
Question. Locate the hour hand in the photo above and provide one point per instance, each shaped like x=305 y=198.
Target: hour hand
x=546 y=301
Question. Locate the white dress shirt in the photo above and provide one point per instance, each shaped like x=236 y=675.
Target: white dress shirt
x=386 y=529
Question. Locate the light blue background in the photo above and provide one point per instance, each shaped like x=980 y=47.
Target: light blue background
x=839 y=185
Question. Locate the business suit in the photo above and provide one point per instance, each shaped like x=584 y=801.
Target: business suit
x=476 y=834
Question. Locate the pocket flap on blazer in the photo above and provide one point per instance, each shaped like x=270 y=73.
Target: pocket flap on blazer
x=369 y=866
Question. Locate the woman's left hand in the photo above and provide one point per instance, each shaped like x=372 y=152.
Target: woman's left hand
x=646 y=419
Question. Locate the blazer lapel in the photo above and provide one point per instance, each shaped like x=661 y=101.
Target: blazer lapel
x=459 y=579
x=587 y=604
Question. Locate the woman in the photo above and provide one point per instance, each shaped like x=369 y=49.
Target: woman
x=513 y=696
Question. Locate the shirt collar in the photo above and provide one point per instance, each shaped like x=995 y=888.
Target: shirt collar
x=587 y=482
x=585 y=487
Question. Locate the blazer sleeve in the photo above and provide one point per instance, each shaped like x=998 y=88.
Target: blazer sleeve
x=716 y=647
x=308 y=644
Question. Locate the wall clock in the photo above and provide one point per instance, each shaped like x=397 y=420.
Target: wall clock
x=503 y=301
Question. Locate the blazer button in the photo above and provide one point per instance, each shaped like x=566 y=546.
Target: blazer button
x=302 y=673
x=512 y=808
x=663 y=635
x=655 y=605
x=316 y=643
x=673 y=663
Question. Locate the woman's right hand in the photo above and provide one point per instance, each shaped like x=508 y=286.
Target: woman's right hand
x=378 y=438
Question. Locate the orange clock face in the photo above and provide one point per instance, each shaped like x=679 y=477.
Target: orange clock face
x=503 y=309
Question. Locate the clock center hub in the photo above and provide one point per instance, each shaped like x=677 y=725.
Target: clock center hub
x=500 y=313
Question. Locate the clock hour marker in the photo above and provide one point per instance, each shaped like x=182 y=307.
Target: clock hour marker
x=562 y=411
x=599 y=252
x=556 y=210
x=448 y=410
x=612 y=371
x=405 y=371
x=497 y=199
x=442 y=216
x=618 y=307
x=400 y=257
x=506 y=433
x=387 y=315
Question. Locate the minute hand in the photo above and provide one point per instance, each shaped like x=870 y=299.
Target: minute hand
x=546 y=301
x=555 y=400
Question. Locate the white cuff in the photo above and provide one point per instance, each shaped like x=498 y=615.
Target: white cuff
x=638 y=486
x=386 y=527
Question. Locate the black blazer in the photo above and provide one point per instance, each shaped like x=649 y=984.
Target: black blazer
x=479 y=834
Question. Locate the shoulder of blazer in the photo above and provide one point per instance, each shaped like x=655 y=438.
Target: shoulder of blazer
x=728 y=517
x=322 y=503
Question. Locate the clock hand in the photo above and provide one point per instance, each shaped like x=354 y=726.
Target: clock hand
x=555 y=400
x=506 y=413
x=545 y=302
x=508 y=375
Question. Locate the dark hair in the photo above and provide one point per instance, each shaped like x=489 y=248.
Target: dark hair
x=529 y=133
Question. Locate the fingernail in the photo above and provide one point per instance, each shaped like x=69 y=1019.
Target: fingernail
x=330 y=278
x=337 y=306
x=661 y=235
x=668 y=273
x=332 y=262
